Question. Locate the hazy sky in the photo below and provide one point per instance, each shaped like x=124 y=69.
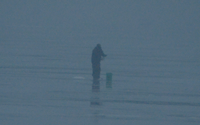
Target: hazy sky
x=58 y=19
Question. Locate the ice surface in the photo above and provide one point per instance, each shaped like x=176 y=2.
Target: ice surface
x=153 y=54
x=47 y=85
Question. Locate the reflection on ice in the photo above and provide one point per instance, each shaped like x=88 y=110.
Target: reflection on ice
x=95 y=100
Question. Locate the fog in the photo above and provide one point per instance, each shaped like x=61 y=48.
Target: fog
x=153 y=54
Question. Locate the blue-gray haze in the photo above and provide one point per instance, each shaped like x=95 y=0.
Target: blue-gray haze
x=153 y=54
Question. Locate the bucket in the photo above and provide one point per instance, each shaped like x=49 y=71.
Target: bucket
x=108 y=76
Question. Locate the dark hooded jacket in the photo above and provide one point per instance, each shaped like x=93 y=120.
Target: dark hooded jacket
x=97 y=53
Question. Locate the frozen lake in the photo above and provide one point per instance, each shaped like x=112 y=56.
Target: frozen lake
x=50 y=82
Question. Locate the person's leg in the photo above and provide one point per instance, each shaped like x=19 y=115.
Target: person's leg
x=93 y=70
x=96 y=71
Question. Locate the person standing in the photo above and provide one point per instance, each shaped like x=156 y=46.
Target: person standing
x=97 y=55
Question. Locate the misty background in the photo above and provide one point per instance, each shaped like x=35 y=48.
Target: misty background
x=149 y=21
x=55 y=26
x=153 y=53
